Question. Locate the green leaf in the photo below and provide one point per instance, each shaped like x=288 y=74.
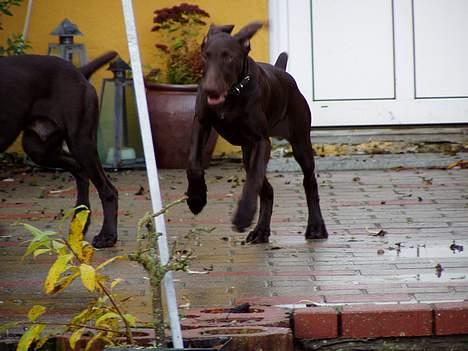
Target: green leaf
x=77 y=226
x=41 y=239
x=116 y=282
x=131 y=319
x=110 y=260
x=32 y=229
x=75 y=337
x=84 y=316
x=64 y=282
x=69 y=213
x=87 y=252
x=55 y=271
x=35 y=245
x=109 y=315
x=88 y=276
x=57 y=245
x=29 y=337
x=96 y=337
x=41 y=251
x=41 y=342
x=35 y=312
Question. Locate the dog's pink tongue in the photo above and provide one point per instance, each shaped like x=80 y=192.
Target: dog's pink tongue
x=216 y=100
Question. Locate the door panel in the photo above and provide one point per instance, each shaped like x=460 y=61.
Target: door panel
x=441 y=48
x=352 y=46
x=376 y=62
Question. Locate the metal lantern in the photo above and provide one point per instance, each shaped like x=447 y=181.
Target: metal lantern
x=66 y=48
x=119 y=137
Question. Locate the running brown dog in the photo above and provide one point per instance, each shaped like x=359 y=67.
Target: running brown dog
x=246 y=103
x=52 y=102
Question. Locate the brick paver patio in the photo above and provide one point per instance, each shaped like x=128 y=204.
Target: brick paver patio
x=396 y=236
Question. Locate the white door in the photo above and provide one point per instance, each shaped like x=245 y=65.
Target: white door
x=376 y=62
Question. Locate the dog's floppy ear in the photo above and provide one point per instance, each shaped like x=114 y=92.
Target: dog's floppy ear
x=217 y=29
x=246 y=33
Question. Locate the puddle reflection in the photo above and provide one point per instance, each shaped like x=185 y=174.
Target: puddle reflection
x=442 y=251
x=427 y=277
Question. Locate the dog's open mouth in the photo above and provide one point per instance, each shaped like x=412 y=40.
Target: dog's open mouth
x=214 y=100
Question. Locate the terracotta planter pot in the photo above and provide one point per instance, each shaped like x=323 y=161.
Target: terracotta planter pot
x=171 y=108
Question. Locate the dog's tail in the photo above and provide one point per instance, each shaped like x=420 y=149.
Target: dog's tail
x=91 y=67
x=282 y=61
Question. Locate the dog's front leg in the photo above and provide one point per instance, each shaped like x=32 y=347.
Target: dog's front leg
x=255 y=158
x=196 y=190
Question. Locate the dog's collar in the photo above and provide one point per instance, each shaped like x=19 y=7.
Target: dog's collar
x=237 y=88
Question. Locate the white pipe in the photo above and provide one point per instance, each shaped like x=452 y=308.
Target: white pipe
x=27 y=20
x=152 y=170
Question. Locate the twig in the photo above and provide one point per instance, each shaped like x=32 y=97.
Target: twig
x=168 y=206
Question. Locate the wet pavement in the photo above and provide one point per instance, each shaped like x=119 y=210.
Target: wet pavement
x=396 y=236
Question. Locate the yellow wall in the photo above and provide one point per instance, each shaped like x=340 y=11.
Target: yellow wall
x=102 y=24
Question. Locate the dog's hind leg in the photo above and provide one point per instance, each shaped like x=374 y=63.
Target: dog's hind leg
x=87 y=157
x=43 y=142
x=261 y=232
x=304 y=155
x=81 y=140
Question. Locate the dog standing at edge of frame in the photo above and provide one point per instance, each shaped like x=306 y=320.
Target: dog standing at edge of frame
x=248 y=102
x=52 y=102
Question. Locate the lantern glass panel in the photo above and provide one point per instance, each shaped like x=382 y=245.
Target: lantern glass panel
x=75 y=53
x=125 y=138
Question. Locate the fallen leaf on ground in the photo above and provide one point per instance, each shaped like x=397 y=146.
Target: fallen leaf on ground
x=460 y=163
x=379 y=232
x=140 y=191
x=196 y=272
x=274 y=248
x=58 y=191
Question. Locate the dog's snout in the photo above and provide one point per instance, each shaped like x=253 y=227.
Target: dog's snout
x=211 y=91
x=215 y=92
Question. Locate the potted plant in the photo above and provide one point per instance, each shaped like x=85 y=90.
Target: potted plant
x=171 y=91
x=15 y=43
x=104 y=323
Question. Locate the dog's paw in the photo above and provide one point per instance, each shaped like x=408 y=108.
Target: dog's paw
x=316 y=233
x=258 y=236
x=196 y=191
x=196 y=202
x=101 y=241
x=244 y=216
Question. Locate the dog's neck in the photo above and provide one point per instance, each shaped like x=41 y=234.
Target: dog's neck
x=244 y=79
x=237 y=88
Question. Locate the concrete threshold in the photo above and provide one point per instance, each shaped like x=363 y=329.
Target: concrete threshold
x=369 y=162
x=378 y=148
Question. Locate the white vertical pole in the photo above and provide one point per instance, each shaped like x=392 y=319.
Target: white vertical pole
x=27 y=19
x=151 y=168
